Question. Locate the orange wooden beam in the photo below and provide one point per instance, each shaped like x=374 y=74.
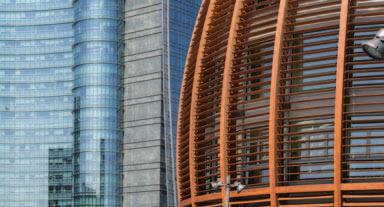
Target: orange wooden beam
x=185 y=202
x=338 y=148
x=187 y=64
x=289 y=189
x=304 y=188
x=208 y=197
x=196 y=80
x=362 y=186
x=225 y=94
x=273 y=116
x=266 y=191
x=250 y=192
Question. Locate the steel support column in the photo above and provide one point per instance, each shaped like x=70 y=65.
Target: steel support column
x=274 y=95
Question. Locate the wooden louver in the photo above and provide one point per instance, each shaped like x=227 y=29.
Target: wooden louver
x=278 y=95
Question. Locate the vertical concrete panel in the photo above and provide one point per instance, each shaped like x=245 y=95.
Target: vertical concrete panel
x=143 y=169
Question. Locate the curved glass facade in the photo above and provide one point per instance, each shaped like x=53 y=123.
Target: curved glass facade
x=36 y=102
x=97 y=102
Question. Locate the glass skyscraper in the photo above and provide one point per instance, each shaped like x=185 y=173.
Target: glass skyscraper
x=88 y=100
x=36 y=103
x=98 y=49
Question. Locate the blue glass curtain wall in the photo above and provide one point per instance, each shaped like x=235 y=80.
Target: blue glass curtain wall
x=179 y=19
x=36 y=103
x=97 y=89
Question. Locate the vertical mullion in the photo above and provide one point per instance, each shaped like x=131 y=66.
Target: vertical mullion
x=339 y=103
x=225 y=94
x=187 y=63
x=274 y=95
x=193 y=115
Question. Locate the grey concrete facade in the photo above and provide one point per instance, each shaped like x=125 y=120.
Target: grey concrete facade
x=144 y=161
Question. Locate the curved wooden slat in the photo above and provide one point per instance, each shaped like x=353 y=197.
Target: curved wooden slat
x=190 y=62
x=192 y=120
x=225 y=94
x=339 y=96
x=274 y=96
